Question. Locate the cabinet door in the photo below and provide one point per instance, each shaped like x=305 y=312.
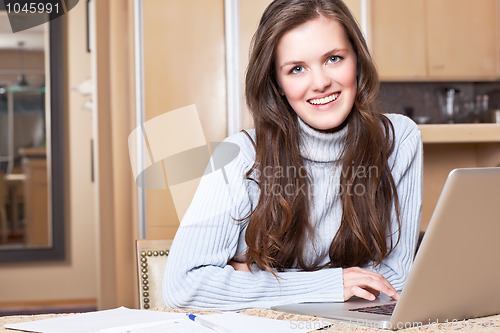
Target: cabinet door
x=463 y=39
x=183 y=64
x=398 y=39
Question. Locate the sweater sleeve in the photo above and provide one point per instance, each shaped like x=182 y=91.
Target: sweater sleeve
x=197 y=274
x=407 y=174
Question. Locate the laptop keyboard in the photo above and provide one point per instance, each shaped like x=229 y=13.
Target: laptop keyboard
x=386 y=309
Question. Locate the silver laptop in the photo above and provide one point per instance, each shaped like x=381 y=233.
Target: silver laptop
x=456 y=272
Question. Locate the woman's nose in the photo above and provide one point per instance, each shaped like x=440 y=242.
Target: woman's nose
x=320 y=80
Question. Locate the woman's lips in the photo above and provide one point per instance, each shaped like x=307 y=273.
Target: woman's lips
x=324 y=100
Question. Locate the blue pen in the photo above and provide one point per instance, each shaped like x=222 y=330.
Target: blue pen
x=208 y=324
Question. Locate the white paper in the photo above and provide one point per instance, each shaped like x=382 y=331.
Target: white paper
x=93 y=322
x=182 y=325
x=228 y=322
x=123 y=320
x=241 y=323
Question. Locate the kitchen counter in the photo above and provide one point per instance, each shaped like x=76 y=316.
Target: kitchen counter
x=460 y=133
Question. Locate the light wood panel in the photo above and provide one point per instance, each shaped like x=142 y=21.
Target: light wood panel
x=463 y=38
x=460 y=133
x=184 y=60
x=436 y=40
x=398 y=38
x=184 y=63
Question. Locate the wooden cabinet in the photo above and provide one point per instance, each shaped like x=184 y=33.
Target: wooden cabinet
x=436 y=39
x=463 y=39
x=398 y=40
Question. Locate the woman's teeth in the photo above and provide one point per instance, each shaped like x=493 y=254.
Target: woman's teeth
x=324 y=100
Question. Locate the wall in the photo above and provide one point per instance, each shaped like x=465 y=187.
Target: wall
x=73 y=281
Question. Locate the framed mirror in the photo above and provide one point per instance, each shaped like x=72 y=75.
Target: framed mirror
x=32 y=145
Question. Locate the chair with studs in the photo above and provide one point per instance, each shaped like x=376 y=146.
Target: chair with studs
x=151 y=260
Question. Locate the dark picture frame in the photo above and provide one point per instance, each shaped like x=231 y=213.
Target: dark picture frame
x=57 y=250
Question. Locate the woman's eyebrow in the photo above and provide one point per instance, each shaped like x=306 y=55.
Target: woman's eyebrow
x=336 y=50
x=292 y=63
x=325 y=55
x=333 y=52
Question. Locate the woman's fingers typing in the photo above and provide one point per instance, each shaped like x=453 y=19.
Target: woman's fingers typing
x=366 y=284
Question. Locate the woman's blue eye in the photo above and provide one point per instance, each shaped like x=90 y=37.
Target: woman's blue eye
x=334 y=59
x=296 y=69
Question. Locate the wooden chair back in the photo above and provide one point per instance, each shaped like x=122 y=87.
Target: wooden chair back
x=151 y=260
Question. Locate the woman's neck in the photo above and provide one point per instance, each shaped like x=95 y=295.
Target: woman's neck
x=321 y=146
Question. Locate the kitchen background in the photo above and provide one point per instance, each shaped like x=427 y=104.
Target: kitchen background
x=435 y=56
x=421 y=101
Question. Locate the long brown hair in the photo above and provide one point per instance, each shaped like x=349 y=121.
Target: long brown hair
x=279 y=226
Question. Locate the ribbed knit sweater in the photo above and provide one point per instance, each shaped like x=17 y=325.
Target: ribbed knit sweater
x=197 y=274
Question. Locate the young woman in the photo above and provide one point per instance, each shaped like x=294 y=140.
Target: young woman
x=323 y=201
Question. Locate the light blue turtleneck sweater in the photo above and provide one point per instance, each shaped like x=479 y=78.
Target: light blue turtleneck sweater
x=197 y=274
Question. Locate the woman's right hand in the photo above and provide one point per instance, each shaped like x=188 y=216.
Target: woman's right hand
x=366 y=284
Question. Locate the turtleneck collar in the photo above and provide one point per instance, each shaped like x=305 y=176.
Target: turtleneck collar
x=321 y=147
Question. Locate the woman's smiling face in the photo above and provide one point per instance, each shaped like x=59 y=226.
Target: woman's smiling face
x=316 y=71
